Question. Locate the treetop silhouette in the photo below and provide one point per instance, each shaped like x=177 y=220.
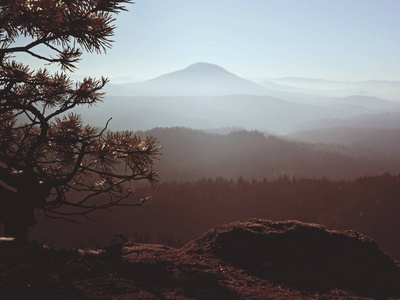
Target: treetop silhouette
x=47 y=154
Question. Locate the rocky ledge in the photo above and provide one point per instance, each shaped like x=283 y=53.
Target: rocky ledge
x=254 y=259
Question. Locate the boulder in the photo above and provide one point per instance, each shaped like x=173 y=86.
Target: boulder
x=302 y=255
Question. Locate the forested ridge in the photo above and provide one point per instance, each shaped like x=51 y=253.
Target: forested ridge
x=185 y=210
x=190 y=154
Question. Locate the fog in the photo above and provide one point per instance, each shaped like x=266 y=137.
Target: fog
x=204 y=96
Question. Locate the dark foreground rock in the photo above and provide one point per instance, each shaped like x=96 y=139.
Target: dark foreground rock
x=255 y=259
x=304 y=256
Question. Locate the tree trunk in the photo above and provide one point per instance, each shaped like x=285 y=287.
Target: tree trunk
x=19 y=218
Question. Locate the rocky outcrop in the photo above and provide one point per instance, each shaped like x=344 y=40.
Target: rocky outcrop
x=305 y=256
x=254 y=259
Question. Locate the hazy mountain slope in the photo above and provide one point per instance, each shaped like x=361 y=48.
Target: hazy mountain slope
x=378 y=120
x=353 y=104
x=191 y=154
x=204 y=79
x=372 y=103
x=376 y=88
x=290 y=89
x=208 y=96
x=200 y=79
x=378 y=140
x=250 y=112
x=203 y=82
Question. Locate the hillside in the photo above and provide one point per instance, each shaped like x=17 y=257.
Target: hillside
x=254 y=259
x=336 y=88
x=191 y=155
x=247 y=111
x=264 y=113
x=383 y=141
x=388 y=120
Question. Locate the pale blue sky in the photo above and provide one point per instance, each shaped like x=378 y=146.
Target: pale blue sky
x=332 y=39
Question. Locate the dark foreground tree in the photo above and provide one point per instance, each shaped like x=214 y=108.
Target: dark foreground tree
x=48 y=157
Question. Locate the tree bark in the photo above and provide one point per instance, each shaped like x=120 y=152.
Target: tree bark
x=17 y=219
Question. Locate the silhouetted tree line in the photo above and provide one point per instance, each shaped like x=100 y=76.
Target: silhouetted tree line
x=185 y=210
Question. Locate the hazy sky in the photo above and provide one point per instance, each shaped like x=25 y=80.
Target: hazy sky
x=340 y=39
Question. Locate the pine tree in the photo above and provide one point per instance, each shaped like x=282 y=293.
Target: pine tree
x=47 y=153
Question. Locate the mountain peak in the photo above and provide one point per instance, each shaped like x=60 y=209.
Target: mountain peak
x=205 y=67
x=200 y=79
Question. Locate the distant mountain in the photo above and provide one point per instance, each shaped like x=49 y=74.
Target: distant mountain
x=199 y=79
x=250 y=112
x=292 y=81
x=347 y=100
x=205 y=79
x=207 y=96
x=368 y=102
x=287 y=88
x=263 y=113
x=389 y=120
x=376 y=88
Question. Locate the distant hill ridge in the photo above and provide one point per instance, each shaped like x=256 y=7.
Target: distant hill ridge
x=206 y=79
x=193 y=154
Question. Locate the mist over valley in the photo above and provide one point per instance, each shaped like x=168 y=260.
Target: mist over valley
x=204 y=96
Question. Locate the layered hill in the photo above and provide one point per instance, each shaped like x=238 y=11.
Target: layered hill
x=337 y=88
x=251 y=112
x=205 y=96
x=192 y=154
x=376 y=141
x=388 y=120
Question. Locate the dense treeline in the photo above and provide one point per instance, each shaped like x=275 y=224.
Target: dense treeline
x=192 y=154
x=183 y=211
